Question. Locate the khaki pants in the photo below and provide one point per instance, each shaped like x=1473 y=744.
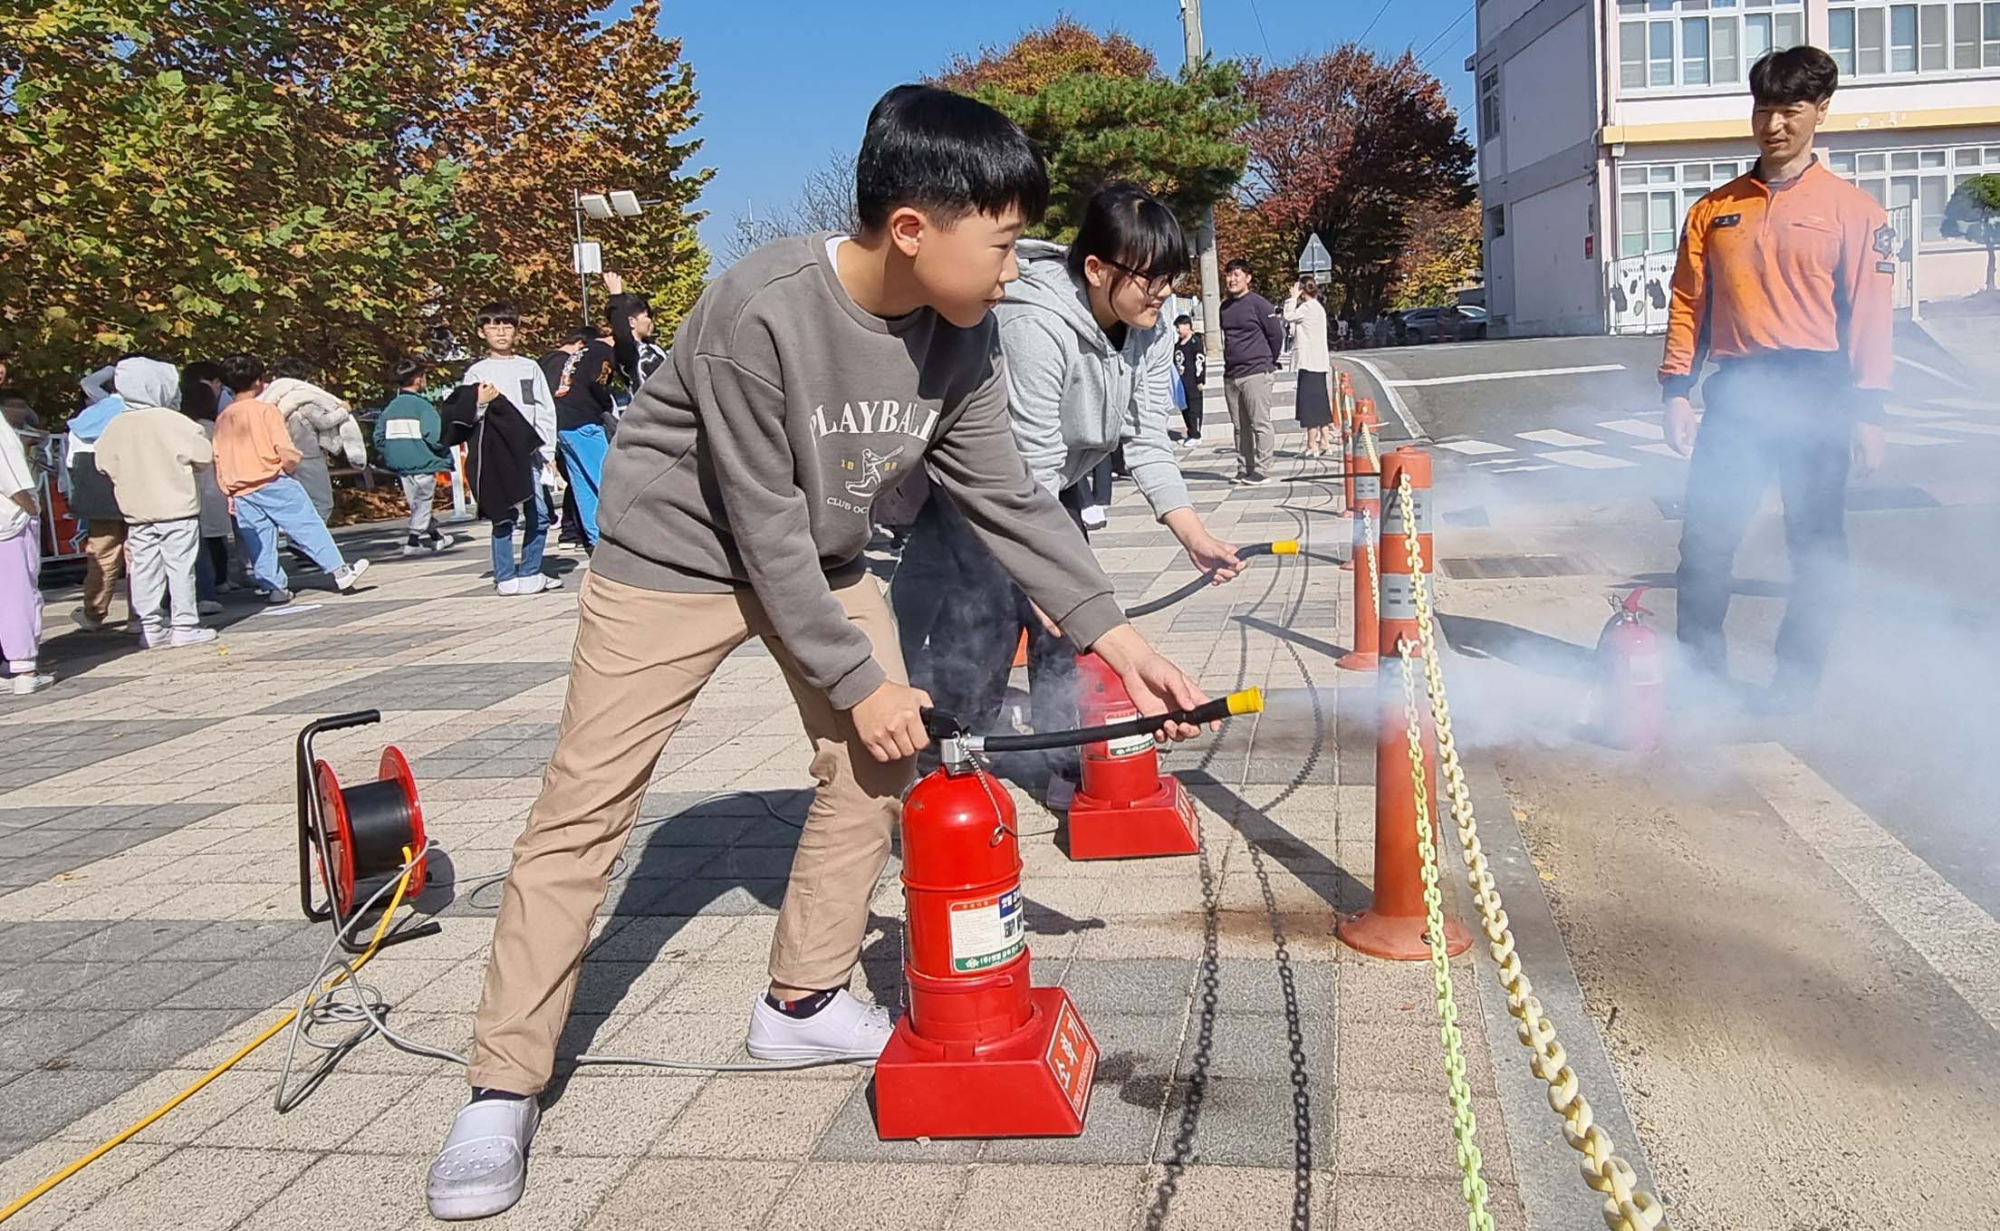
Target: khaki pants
x=641 y=658
x=103 y=565
x=1249 y=402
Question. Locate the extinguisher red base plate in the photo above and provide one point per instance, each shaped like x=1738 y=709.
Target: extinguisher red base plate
x=1032 y=1083
x=1162 y=824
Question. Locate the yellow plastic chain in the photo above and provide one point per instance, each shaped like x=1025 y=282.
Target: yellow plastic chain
x=1626 y=1206
x=1472 y=1185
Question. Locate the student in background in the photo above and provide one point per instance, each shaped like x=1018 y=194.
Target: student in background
x=254 y=461
x=202 y=400
x=20 y=567
x=1192 y=364
x=91 y=501
x=509 y=383
x=579 y=374
x=409 y=440
x=151 y=453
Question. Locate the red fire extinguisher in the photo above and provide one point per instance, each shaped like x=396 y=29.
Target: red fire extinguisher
x=1630 y=701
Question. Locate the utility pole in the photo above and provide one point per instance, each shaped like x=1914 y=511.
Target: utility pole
x=576 y=252
x=1211 y=276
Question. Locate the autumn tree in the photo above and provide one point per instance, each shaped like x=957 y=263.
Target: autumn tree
x=1042 y=56
x=1442 y=255
x=541 y=101
x=825 y=203
x=1352 y=148
x=322 y=177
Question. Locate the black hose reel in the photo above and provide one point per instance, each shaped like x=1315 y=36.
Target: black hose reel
x=357 y=833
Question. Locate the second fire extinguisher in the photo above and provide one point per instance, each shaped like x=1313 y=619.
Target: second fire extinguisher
x=1628 y=700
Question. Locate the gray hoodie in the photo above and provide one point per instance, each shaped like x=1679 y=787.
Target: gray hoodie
x=1073 y=396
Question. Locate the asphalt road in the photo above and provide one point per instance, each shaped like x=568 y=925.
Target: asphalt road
x=1906 y=723
x=1791 y=918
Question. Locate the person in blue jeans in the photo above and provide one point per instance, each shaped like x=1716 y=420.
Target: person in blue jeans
x=513 y=446
x=578 y=372
x=254 y=461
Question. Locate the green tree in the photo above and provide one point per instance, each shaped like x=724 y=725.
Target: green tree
x=1101 y=111
x=1442 y=255
x=1974 y=213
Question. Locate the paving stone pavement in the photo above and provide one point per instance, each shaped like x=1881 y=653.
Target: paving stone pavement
x=1254 y=1073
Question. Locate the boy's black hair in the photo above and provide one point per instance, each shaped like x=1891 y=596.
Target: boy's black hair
x=498 y=312
x=1240 y=263
x=200 y=370
x=1128 y=226
x=1184 y=319
x=242 y=371
x=628 y=304
x=947 y=155
x=1802 y=74
x=582 y=333
x=291 y=367
x=407 y=369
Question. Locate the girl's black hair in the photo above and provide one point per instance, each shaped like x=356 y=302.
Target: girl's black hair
x=947 y=155
x=242 y=371
x=1127 y=226
x=406 y=370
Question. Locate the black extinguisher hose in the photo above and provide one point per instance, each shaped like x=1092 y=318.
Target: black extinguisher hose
x=1247 y=701
x=1282 y=547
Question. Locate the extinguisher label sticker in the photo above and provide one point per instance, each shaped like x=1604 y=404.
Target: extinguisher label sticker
x=1130 y=745
x=987 y=931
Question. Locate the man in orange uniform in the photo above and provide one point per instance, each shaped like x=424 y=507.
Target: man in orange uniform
x=1784 y=278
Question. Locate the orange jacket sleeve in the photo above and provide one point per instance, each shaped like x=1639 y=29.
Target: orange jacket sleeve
x=1866 y=299
x=1687 y=309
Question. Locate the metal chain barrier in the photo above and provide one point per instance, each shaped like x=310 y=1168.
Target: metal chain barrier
x=1626 y=1206
x=1472 y=1185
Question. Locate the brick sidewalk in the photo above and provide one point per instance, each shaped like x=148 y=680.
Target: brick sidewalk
x=1254 y=1073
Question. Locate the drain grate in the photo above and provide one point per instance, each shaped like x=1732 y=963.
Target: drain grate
x=1493 y=567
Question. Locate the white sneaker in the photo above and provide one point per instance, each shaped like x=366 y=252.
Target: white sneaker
x=443 y=542
x=846 y=1029
x=344 y=579
x=31 y=682
x=1093 y=517
x=536 y=583
x=510 y=586
x=412 y=549
x=483 y=1167
x=192 y=636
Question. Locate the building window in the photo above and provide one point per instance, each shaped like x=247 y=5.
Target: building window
x=1654 y=198
x=1921 y=180
x=1668 y=44
x=1489 y=104
x=1870 y=38
x=1496 y=221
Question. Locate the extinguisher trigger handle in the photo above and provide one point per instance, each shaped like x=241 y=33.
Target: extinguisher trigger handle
x=941 y=724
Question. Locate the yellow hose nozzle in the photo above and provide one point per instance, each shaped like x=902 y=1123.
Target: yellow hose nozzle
x=1249 y=700
x=1284 y=547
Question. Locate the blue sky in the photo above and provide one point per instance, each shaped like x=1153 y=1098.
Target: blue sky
x=784 y=83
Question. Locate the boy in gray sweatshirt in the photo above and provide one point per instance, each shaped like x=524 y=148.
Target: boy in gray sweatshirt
x=811 y=377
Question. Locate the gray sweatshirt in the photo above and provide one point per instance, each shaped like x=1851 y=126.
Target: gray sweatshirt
x=752 y=456
x=1075 y=397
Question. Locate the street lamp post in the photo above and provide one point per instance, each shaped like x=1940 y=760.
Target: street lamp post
x=586 y=256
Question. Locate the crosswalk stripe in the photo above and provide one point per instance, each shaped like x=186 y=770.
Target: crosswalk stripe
x=1951 y=933
x=1961 y=425
x=1522 y=469
x=1475 y=448
x=1914 y=438
x=1664 y=450
x=1636 y=427
x=1912 y=412
x=1583 y=459
x=1554 y=436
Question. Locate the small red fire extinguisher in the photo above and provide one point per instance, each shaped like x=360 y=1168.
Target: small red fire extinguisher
x=1629 y=707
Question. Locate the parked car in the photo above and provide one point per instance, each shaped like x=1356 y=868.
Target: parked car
x=1417 y=325
x=1464 y=323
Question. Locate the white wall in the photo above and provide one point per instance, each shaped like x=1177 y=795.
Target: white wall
x=1883 y=103
x=1556 y=288
x=1497 y=15
x=1546 y=93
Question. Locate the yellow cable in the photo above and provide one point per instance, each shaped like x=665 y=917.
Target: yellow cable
x=38 y=1191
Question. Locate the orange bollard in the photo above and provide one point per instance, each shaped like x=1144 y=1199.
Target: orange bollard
x=1393 y=925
